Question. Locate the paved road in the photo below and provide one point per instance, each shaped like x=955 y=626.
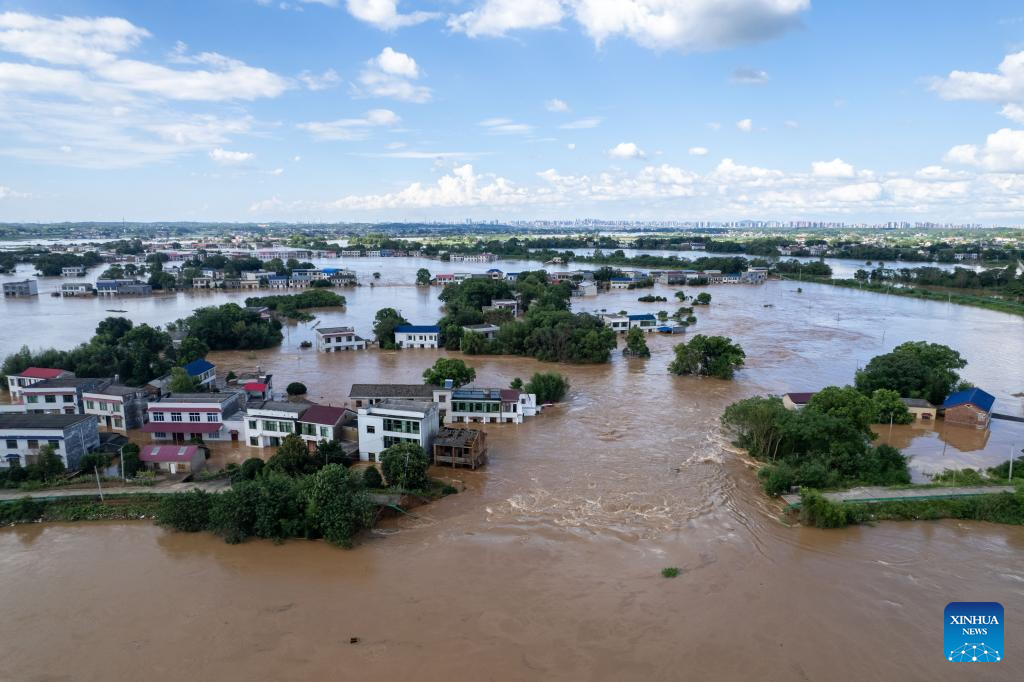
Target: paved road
x=880 y=494
x=208 y=486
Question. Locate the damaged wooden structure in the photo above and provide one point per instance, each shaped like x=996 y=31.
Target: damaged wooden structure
x=460 y=447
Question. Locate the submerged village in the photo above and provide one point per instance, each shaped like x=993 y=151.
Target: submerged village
x=143 y=422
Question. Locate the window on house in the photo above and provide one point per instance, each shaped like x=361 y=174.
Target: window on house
x=253 y=424
x=254 y=441
x=12 y=444
x=32 y=399
x=211 y=416
x=160 y=434
x=50 y=398
x=116 y=407
x=118 y=423
x=371 y=429
x=90 y=404
x=33 y=445
x=53 y=443
x=194 y=416
x=69 y=398
x=176 y=416
x=325 y=432
x=157 y=416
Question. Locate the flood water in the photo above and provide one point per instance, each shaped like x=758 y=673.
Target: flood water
x=548 y=565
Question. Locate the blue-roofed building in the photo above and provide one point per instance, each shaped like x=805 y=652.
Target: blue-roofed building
x=418 y=336
x=278 y=282
x=645 y=321
x=971 y=407
x=619 y=282
x=204 y=371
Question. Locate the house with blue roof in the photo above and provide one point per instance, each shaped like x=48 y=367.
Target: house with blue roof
x=203 y=371
x=418 y=336
x=645 y=321
x=970 y=407
x=619 y=282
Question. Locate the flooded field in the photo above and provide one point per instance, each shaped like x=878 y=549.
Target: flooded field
x=547 y=565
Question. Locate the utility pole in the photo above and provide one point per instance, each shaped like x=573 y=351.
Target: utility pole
x=96 y=470
x=1012 y=448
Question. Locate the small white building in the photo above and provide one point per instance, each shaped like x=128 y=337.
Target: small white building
x=333 y=339
x=488 y=331
x=490 y=405
x=418 y=336
x=73 y=271
x=16 y=383
x=395 y=421
x=617 y=323
x=269 y=422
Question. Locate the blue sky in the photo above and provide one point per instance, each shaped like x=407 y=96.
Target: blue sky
x=361 y=110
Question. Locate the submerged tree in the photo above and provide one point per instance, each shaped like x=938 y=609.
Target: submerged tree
x=715 y=356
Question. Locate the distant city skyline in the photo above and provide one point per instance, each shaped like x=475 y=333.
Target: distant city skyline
x=535 y=110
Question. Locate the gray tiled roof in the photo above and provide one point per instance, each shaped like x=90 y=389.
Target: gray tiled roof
x=392 y=391
x=42 y=421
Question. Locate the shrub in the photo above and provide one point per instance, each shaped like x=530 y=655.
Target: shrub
x=296 y=388
x=549 y=387
x=130 y=461
x=372 y=479
x=250 y=469
x=188 y=512
x=670 y=572
x=336 y=507
x=405 y=466
x=21 y=510
x=819 y=512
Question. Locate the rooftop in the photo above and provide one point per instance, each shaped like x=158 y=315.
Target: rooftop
x=418 y=329
x=477 y=394
x=419 y=407
x=41 y=373
x=116 y=389
x=197 y=367
x=168 y=453
x=211 y=398
x=456 y=438
x=323 y=414
x=972 y=396
x=916 y=402
x=281 y=406
x=335 y=330
x=392 y=391
x=15 y=420
x=800 y=398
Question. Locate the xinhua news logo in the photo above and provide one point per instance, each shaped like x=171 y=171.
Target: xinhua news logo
x=974 y=632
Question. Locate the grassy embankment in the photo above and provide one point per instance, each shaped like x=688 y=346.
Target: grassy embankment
x=991 y=301
x=85 y=508
x=1003 y=507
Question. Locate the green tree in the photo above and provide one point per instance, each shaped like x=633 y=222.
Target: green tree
x=636 y=343
x=384 y=324
x=230 y=327
x=844 y=403
x=130 y=462
x=296 y=388
x=549 y=387
x=405 y=466
x=916 y=369
x=715 y=356
x=423 y=277
x=516 y=384
x=758 y=425
x=94 y=461
x=49 y=464
x=372 y=479
x=192 y=349
x=449 y=368
x=251 y=469
x=473 y=344
x=887 y=406
x=292 y=458
x=703 y=298
x=336 y=506
x=181 y=382
x=186 y=512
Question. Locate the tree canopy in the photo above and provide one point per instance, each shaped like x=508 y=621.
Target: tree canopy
x=549 y=387
x=449 y=368
x=405 y=466
x=230 y=327
x=715 y=356
x=384 y=323
x=916 y=369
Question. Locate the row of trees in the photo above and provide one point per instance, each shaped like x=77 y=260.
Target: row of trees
x=827 y=444
x=297 y=495
x=294 y=305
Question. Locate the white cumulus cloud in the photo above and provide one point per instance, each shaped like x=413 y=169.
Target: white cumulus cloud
x=384 y=14
x=391 y=74
x=1002 y=152
x=626 y=150
x=836 y=168
x=230 y=158
x=698 y=151
x=745 y=125
x=556 y=105
x=349 y=129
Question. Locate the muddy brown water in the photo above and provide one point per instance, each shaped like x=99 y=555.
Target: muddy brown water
x=548 y=565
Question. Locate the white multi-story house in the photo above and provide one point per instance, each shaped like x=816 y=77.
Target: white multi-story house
x=270 y=422
x=618 y=323
x=180 y=417
x=364 y=395
x=509 y=304
x=73 y=271
x=62 y=395
x=418 y=336
x=117 y=407
x=331 y=339
x=395 y=421
x=22 y=435
x=16 y=383
x=490 y=405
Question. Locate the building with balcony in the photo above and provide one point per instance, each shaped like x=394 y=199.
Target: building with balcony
x=490 y=406
x=62 y=395
x=33 y=375
x=117 y=407
x=333 y=339
x=180 y=417
x=270 y=422
x=417 y=336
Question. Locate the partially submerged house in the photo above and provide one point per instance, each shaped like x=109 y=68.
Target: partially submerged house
x=62 y=395
x=972 y=407
x=460 y=447
x=490 y=405
x=117 y=407
x=417 y=336
x=920 y=409
x=333 y=339
x=269 y=422
x=207 y=416
x=16 y=383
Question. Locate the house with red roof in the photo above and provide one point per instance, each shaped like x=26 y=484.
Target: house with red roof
x=32 y=375
x=796 y=401
x=323 y=422
x=174 y=459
